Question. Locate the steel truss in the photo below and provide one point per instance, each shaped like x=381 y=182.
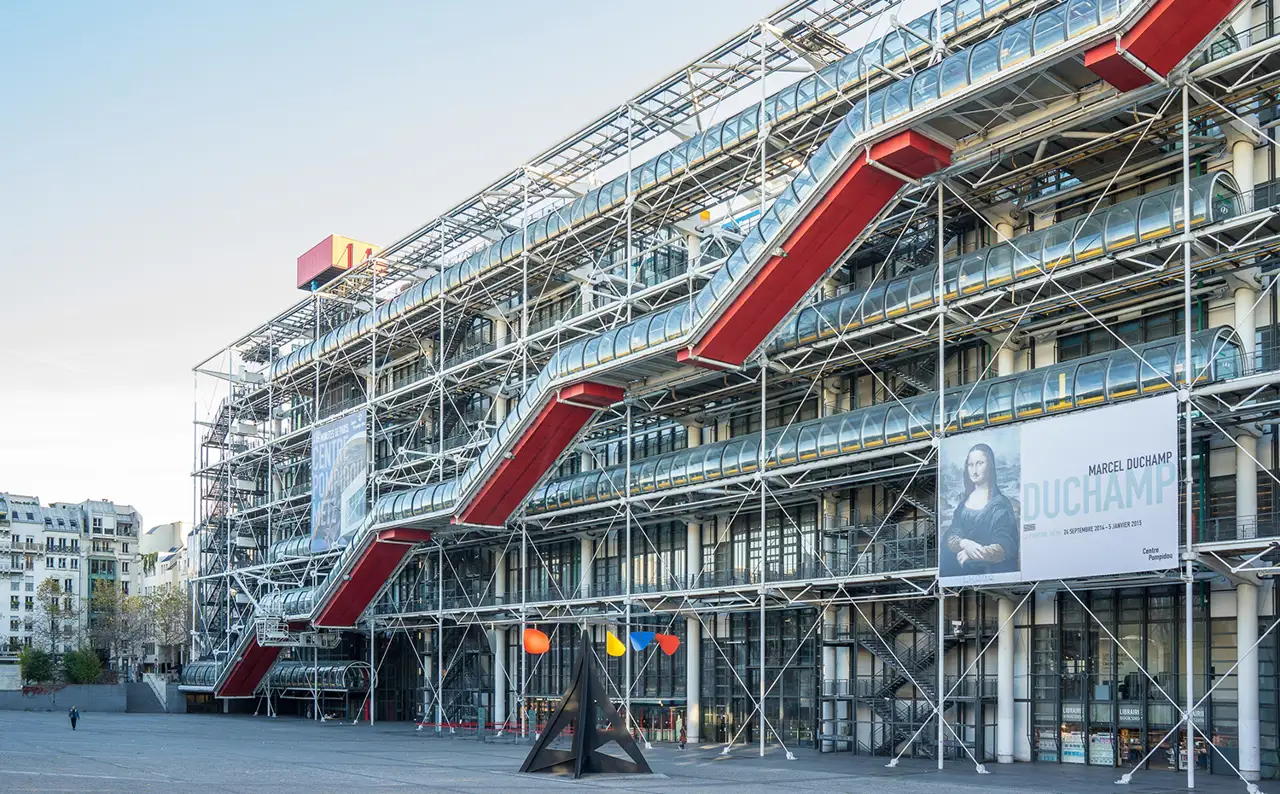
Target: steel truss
x=435 y=387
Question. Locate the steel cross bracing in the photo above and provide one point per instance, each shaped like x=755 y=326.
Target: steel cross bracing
x=1223 y=247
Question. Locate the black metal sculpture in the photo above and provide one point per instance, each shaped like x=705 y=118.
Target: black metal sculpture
x=584 y=706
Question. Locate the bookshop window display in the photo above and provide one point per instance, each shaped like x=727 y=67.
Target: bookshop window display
x=1092 y=704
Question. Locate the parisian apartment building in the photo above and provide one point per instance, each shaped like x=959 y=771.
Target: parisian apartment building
x=77 y=544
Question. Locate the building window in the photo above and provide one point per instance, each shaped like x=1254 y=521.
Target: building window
x=15 y=602
x=48 y=562
x=97 y=523
x=66 y=585
x=124 y=567
x=124 y=548
x=75 y=563
x=31 y=587
x=62 y=562
x=29 y=603
x=124 y=588
x=14 y=623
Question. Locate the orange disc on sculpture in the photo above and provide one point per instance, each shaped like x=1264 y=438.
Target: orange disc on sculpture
x=668 y=643
x=535 y=642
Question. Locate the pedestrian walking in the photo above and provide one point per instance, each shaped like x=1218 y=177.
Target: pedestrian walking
x=74 y=714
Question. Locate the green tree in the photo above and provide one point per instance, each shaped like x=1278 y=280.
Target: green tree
x=37 y=665
x=81 y=666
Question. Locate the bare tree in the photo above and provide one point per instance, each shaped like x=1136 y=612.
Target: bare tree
x=117 y=622
x=58 y=619
x=169 y=621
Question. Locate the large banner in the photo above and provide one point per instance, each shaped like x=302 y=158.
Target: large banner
x=1084 y=494
x=339 y=471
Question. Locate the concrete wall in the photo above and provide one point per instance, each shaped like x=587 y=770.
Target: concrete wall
x=10 y=676
x=88 y=698
x=177 y=701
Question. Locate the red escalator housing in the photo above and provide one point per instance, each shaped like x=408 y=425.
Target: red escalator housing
x=376 y=563
x=1161 y=39
x=548 y=434
x=852 y=203
x=248 y=670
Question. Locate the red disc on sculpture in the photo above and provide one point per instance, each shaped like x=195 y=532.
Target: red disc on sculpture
x=535 y=642
x=668 y=642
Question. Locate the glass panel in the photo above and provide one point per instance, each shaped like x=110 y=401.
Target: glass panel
x=873 y=306
x=984 y=60
x=829 y=438
x=1081 y=15
x=1153 y=217
x=807 y=445
x=663 y=477
x=1157 y=369
x=1059 y=384
x=1015 y=44
x=968 y=13
x=1000 y=402
x=873 y=427
x=897 y=100
x=973 y=411
x=895 y=301
x=851 y=432
x=1000 y=265
x=1028 y=398
x=893 y=49
x=711 y=462
x=1089 y=239
x=973 y=272
x=1057 y=246
x=1049 y=30
x=1122 y=228
x=1090 y=383
x=955 y=73
x=920 y=416
x=922 y=288
x=895 y=425
x=1122 y=375
x=924 y=87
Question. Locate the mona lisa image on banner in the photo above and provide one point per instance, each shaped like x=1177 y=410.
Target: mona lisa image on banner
x=980 y=520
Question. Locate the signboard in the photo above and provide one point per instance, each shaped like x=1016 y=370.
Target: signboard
x=1084 y=494
x=339 y=471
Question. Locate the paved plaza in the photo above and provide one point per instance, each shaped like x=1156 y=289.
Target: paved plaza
x=167 y=753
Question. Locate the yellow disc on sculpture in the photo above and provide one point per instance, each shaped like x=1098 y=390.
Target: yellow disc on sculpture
x=613 y=646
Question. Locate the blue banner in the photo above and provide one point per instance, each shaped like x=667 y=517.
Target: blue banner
x=339 y=472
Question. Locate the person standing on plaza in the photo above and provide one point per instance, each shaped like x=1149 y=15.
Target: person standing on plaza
x=74 y=714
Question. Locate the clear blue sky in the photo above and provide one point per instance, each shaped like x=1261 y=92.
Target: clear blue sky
x=162 y=165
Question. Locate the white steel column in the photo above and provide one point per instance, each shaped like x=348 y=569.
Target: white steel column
x=692 y=626
x=693 y=680
x=829 y=674
x=1250 y=725
x=498 y=639
x=586 y=564
x=1246 y=484
x=1004 y=683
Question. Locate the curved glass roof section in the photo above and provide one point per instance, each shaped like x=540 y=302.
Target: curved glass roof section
x=1017 y=43
x=1151 y=368
x=290 y=603
x=290 y=547
x=203 y=675
x=1107 y=232
x=341 y=676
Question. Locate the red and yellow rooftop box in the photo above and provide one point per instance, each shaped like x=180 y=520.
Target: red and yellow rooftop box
x=330 y=257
